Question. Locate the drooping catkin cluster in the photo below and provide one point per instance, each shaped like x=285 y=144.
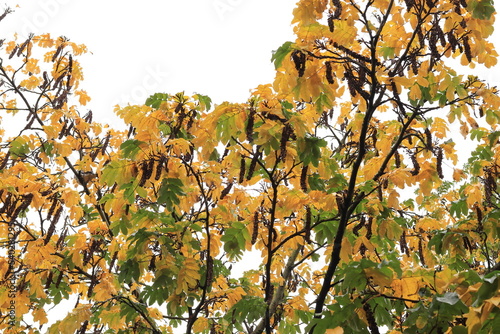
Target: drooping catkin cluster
x=329 y=73
x=242 y=170
x=255 y=227
x=299 y=59
x=53 y=222
x=250 y=124
x=403 y=245
x=303 y=178
x=147 y=168
x=416 y=166
x=428 y=139
x=285 y=136
x=354 y=83
x=438 y=151
x=490 y=184
x=253 y=163
x=397 y=159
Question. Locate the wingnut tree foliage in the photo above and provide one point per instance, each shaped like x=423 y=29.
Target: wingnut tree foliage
x=332 y=201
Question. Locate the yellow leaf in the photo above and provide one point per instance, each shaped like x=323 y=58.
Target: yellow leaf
x=200 y=325
x=336 y=330
x=40 y=316
x=421 y=322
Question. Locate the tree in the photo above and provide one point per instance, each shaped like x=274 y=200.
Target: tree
x=340 y=179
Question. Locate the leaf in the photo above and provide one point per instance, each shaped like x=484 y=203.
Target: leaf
x=205 y=101
x=155 y=100
x=170 y=191
x=482 y=9
x=235 y=238
x=281 y=53
x=131 y=147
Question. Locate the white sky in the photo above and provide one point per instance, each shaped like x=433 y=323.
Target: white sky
x=219 y=48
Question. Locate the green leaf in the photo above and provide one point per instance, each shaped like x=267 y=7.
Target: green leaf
x=129 y=270
x=281 y=53
x=481 y=9
x=169 y=192
x=19 y=147
x=154 y=101
x=131 y=147
x=310 y=150
x=387 y=52
x=205 y=101
x=235 y=238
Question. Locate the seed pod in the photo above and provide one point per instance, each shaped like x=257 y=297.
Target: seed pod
x=397 y=159
x=6 y=203
x=61 y=239
x=70 y=64
x=53 y=223
x=49 y=280
x=250 y=124
x=329 y=74
x=467 y=244
x=479 y=215
x=338 y=9
x=303 y=178
x=226 y=190
x=452 y=40
x=52 y=207
x=421 y=37
x=159 y=169
x=152 y=263
x=330 y=19
x=359 y=226
x=147 y=170
x=285 y=135
x=403 y=244
x=428 y=139
x=409 y=4
x=467 y=50
x=26 y=201
x=58 y=51
x=255 y=228
x=210 y=271
x=13 y=52
x=59 y=279
x=374 y=138
x=362 y=249
x=370 y=318
x=253 y=163
x=5 y=160
x=421 y=252
x=242 y=170
x=439 y=162
x=23 y=46
x=369 y=228
x=307 y=225
x=440 y=34
x=416 y=166
x=299 y=59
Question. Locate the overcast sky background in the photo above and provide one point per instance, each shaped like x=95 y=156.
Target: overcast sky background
x=219 y=48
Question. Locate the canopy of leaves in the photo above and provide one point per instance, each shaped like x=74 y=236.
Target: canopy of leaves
x=331 y=201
